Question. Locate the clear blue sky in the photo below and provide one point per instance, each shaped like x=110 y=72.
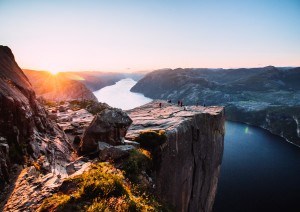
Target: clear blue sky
x=149 y=34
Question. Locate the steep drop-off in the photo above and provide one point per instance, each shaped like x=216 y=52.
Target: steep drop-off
x=188 y=162
x=267 y=97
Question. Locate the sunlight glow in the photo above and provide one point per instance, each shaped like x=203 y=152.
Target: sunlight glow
x=53 y=72
x=74 y=77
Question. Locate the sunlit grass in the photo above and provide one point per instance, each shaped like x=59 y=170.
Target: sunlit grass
x=102 y=188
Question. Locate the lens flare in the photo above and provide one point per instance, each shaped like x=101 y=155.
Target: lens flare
x=246 y=130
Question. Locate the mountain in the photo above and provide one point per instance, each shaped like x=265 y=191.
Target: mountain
x=65 y=86
x=267 y=97
x=58 y=87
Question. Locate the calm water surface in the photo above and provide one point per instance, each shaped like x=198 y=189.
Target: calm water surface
x=260 y=171
x=119 y=95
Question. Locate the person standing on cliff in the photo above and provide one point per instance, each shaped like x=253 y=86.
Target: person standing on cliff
x=178 y=102
x=160 y=104
x=181 y=103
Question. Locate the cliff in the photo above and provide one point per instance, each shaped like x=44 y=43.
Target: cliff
x=27 y=137
x=170 y=161
x=188 y=166
x=59 y=87
x=266 y=97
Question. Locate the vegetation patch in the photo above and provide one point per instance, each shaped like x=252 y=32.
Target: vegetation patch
x=138 y=161
x=78 y=104
x=49 y=103
x=150 y=139
x=102 y=188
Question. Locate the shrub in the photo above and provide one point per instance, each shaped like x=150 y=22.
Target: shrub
x=150 y=140
x=135 y=164
x=49 y=103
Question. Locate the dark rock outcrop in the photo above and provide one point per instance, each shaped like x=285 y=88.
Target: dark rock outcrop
x=188 y=168
x=27 y=134
x=254 y=96
x=109 y=126
x=112 y=154
x=4 y=162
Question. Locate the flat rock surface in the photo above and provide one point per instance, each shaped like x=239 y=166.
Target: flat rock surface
x=167 y=117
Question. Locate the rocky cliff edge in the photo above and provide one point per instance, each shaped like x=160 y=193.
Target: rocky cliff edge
x=189 y=165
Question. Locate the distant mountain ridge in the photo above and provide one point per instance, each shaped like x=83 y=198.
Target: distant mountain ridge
x=57 y=87
x=268 y=97
x=73 y=85
x=95 y=80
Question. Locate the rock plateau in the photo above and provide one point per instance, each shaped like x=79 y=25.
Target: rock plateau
x=189 y=165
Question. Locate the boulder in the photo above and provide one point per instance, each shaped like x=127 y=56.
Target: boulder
x=132 y=143
x=113 y=154
x=97 y=107
x=109 y=126
x=62 y=109
x=103 y=145
x=125 y=147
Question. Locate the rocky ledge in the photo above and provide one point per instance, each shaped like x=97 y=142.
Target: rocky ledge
x=189 y=160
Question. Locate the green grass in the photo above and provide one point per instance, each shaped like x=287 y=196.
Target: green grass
x=136 y=163
x=102 y=188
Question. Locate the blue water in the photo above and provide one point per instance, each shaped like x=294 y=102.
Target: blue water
x=260 y=172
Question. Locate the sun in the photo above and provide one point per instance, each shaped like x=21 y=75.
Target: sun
x=53 y=72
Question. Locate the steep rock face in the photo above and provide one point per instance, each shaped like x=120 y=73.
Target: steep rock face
x=4 y=162
x=109 y=126
x=27 y=135
x=188 y=171
x=58 y=87
x=255 y=96
x=19 y=111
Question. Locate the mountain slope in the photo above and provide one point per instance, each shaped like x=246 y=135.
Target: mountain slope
x=268 y=97
x=58 y=87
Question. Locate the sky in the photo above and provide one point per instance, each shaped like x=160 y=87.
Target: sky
x=135 y=35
